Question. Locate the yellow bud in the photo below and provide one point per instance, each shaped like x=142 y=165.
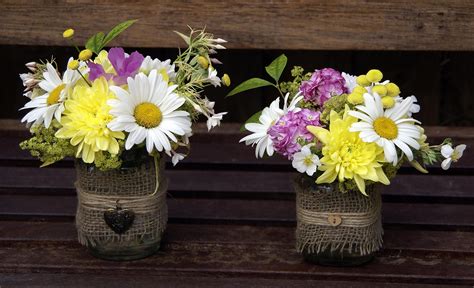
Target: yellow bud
x=374 y=75
x=73 y=65
x=392 y=89
x=203 y=62
x=359 y=90
x=388 y=102
x=355 y=98
x=226 y=80
x=68 y=33
x=380 y=89
x=85 y=55
x=362 y=80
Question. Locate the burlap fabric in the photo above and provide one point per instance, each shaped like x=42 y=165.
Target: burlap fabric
x=141 y=189
x=328 y=219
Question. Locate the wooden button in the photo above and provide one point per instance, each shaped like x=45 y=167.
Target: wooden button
x=334 y=220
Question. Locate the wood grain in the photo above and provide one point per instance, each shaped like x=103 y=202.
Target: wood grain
x=305 y=24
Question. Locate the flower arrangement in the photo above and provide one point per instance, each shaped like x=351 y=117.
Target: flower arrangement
x=339 y=128
x=107 y=102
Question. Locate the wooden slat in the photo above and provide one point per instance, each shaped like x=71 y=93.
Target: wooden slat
x=93 y=280
x=326 y=25
x=403 y=239
x=251 y=184
x=236 y=259
x=255 y=212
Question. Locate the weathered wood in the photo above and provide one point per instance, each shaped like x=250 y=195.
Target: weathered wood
x=216 y=281
x=238 y=260
x=333 y=25
x=239 y=184
x=255 y=212
x=421 y=240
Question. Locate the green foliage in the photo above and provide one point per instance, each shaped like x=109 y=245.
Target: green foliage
x=44 y=145
x=98 y=41
x=248 y=85
x=293 y=86
x=336 y=103
x=276 y=67
x=105 y=161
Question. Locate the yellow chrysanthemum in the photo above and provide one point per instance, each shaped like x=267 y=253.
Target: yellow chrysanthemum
x=85 y=121
x=346 y=156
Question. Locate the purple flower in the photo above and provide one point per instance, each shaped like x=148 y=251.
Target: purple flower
x=323 y=84
x=125 y=66
x=290 y=129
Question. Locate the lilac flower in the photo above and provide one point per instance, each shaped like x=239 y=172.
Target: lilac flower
x=290 y=129
x=125 y=66
x=323 y=84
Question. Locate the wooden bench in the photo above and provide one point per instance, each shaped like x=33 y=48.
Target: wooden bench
x=232 y=220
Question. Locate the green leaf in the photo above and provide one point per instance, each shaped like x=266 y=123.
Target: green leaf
x=95 y=42
x=116 y=31
x=276 y=67
x=249 y=84
x=253 y=119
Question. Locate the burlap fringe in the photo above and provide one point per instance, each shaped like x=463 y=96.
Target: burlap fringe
x=360 y=229
x=134 y=189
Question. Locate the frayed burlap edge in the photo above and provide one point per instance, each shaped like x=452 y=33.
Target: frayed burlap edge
x=360 y=229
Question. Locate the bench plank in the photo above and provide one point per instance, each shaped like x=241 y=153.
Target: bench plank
x=322 y=25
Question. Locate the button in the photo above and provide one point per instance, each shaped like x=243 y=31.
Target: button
x=334 y=220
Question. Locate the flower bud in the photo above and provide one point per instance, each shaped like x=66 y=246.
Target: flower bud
x=388 y=102
x=392 y=89
x=380 y=89
x=362 y=80
x=226 y=80
x=68 y=33
x=374 y=75
x=203 y=62
x=359 y=90
x=73 y=65
x=85 y=55
x=355 y=98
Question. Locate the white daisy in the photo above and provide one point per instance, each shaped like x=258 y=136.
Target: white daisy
x=387 y=128
x=212 y=77
x=269 y=116
x=51 y=104
x=148 y=112
x=165 y=68
x=215 y=120
x=305 y=161
x=451 y=155
x=350 y=80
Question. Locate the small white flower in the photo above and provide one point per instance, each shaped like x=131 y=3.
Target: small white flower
x=414 y=108
x=305 y=161
x=215 y=120
x=451 y=155
x=212 y=78
x=177 y=157
x=350 y=81
x=292 y=105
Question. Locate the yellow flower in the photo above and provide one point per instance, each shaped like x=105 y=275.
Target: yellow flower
x=103 y=59
x=85 y=55
x=226 y=80
x=85 y=121
x=346 y=156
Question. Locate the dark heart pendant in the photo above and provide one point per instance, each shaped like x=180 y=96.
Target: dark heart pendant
x=119 y=220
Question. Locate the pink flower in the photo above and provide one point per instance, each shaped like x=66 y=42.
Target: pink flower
x=290 y=130
x=323 y=84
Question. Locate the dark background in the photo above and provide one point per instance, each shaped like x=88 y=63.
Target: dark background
x=442 y=81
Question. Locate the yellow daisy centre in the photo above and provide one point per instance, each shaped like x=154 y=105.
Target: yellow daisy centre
x=53 y=97
x=148 y=115
x=386 y=128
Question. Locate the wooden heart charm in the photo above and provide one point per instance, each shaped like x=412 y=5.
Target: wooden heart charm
x=119 y=220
